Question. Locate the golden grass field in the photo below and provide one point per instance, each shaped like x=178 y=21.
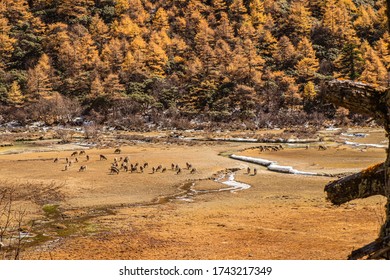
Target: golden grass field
x=98 y=215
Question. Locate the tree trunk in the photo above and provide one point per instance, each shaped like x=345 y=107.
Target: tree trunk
x=375 y=102
x=366 y=183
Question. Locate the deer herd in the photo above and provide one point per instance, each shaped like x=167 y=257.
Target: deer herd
x=123 y=164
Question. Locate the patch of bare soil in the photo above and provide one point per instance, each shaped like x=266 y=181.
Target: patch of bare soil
x=143 y=216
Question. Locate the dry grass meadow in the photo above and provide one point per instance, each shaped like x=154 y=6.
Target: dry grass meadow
x=164 y=215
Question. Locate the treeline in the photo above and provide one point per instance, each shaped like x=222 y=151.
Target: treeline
x=169 y=62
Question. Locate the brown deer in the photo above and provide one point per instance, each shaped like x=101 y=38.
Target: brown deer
x=322 y=148
x=117 y=151
x=83 y=168
x=113 y=169
x=102 y=157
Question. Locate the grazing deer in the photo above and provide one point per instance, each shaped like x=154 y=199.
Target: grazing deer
x=83 y=168
x=74 y=154
x=322 y=148
x=141 y=169
x=178 y=171
x=261 y=148
x=81 y=153
x=189 y=165
x=146 y=165
x=102 y=157
x=123 y=164
x=117 y=151
x=254 y=171
x=56 y=159
x=158 y=167
x=163 y=170
x=113 y=169
x=153 y=169
x=193 y=170
x=76 y=160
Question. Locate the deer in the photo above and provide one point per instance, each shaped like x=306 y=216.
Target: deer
x=74 y=154
x=117 y=151
x=178 y=171
x=113 y=169
x=189 y=165
x=82 y=168
x=81 y=153
x=254 y=171
x=193 y=170
x=56 y=159
x=102 y=157
x=322 y=148
x=248 y=170
x=87 y=157
x=163 y=170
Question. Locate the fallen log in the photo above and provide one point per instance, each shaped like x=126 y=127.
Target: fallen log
x=369 y=182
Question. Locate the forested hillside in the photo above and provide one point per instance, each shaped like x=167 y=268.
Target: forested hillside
x=169 y=62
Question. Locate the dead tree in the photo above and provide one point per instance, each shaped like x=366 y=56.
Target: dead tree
x=374 y=102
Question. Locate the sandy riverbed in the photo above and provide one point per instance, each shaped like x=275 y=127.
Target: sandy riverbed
x=109 y=216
